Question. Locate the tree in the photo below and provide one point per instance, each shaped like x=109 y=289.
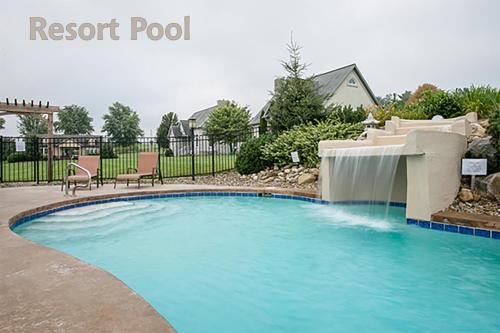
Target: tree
x=74 y=120
x=229 y=123
x=419 y=92
x=296 y=99
x=121 y=124
x=32 y=124
x=167 y=121
x=2 y=123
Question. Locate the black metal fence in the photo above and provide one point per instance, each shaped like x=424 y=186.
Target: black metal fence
x=43 y=159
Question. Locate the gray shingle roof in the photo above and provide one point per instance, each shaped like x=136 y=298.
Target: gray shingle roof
x=180 y=130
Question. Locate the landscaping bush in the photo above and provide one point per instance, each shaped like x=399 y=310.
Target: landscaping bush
x=442 y=103
x=20 y=156
x=107 y=151
x=484 y=100
x=305 y=138
x=168 y=152
x=341 y=114
x=411 y=111
x=250 y=158
x=494 y=129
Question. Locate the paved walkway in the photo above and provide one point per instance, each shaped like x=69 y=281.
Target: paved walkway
x=43 y=290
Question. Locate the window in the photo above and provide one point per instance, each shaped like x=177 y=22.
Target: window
x=352 y=82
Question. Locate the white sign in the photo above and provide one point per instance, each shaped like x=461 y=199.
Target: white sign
x=20 y=145
x=474 y=166
x=295 y=157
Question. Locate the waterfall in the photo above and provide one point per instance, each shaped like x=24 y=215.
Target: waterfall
x=363 y=173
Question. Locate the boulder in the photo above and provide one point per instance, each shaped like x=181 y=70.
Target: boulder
x=315 y=171
x=465 y=195
x=306 y=178
x=485 y=148
x=287 y=170
x=478 y=130
x=490 y=186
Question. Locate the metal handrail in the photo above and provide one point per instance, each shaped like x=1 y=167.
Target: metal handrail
x=76 y=186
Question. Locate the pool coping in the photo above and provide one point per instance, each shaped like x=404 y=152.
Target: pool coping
x=121 y=322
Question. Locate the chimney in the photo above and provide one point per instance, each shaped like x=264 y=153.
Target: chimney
x=277 y=83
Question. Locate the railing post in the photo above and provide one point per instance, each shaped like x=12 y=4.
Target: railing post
x=213 y=154
x=34 y=155
x=100 y=160
x=38 y=156
x=1 y=159
x=192 y=154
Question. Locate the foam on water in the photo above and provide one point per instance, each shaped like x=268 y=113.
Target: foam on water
x=342 y=217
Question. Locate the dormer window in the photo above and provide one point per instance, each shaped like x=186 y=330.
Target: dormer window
x=352 y=82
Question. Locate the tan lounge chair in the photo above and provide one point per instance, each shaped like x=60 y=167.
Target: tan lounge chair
x=88 y=163
x=146 y=167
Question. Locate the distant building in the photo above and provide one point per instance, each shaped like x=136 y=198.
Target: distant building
x=345 y=86
x=180 y=133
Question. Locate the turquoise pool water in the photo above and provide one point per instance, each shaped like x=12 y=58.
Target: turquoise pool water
x=238 y=264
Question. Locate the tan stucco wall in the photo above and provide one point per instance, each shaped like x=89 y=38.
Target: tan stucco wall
x=354 y=96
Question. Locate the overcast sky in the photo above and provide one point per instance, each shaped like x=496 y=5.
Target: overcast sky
x=235 y=49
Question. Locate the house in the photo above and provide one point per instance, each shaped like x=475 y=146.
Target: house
x=343 y=86
x=180 y=134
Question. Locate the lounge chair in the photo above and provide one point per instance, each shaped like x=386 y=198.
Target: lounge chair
x=146 y=167
x=80 y=175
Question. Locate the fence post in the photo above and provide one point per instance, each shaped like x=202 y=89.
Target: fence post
x=192 y=154
x=1 y=159
x=159 y=159
x=38 y=157
x=100 y=160
x=213 y=155
x=34 y=140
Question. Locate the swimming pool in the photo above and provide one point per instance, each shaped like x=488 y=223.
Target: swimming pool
x=254 y=264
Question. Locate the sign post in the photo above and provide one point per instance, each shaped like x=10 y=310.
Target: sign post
x=474 y=167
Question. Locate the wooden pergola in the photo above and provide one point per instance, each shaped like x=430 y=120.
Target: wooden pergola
x=21 y=108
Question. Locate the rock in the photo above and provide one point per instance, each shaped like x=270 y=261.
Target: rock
x=478 y=130
x=281 y=174
x=490 y=186
x=465 y=195
x=306 y=178
x=243 y=177
x=485 y=148
x=268 y=180
x=485 y=123
x=255 y=178
x=295 y=170
x=287 y=171
x=300 y=169
x=276 y=168
x=476 y=196
x=315 y=171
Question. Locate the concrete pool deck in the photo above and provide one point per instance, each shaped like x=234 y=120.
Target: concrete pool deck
x=45 y=290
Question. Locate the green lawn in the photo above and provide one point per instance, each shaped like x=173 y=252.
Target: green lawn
x=170 y=167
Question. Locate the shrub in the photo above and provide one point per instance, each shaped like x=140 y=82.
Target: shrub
x=340 y=114
x=20 y=156
x=305 y=138
x=107 y=150
x=417 y=95
x=411 y=111
x=494 y=128
x=484 y=100
x=250 y=158
x=168 y=152
x=441 y=103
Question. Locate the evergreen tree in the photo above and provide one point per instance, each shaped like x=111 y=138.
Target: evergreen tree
x=296 y=99
x=167 y=121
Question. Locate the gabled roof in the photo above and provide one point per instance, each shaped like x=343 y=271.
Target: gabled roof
x=202 y=116
x=327 y=83
x=180 y=129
